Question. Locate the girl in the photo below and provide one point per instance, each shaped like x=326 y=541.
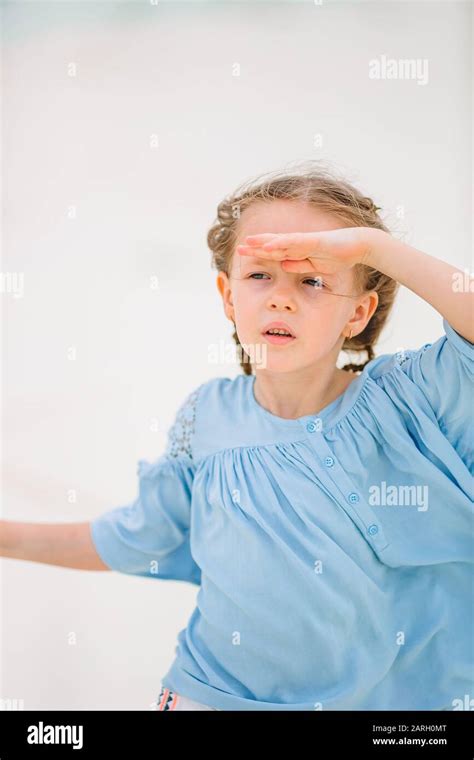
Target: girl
x=325 y=512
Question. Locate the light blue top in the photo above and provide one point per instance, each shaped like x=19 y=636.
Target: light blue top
x=334 y=552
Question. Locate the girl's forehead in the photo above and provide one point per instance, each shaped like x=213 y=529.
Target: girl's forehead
x=281 y=216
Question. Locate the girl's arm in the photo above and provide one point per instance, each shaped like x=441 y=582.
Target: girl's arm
x=432 y=279
x=67 y=544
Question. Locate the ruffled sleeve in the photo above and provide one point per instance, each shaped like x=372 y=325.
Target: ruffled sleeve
x=443 y=371
x=151 y=536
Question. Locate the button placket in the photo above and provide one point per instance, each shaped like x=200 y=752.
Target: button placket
x=352 y=501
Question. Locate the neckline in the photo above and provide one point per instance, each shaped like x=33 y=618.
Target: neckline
x=329 y=414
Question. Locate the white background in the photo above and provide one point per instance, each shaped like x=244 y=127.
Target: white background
x=84 y=142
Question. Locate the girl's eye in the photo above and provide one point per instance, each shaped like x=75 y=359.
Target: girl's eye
x=258 y=274
x=316 y=282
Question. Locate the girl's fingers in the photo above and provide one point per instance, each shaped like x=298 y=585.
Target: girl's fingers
x=291 y=245
x=302 y=262
x=261 y=253
x=309 y=266
x=344 y=247
x=303 y=266
x=278 y=239
x=258 y=240
x=305 y=242
x=295 y=261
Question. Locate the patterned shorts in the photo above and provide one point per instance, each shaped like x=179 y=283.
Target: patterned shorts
x=171 y=700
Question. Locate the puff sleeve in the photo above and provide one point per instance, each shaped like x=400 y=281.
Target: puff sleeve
x=151 y=536
x=444 y=372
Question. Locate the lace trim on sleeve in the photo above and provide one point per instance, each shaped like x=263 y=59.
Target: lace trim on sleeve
x=403 y=355
x=181 y=433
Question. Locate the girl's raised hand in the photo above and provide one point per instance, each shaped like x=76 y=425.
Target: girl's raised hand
x=326 y=252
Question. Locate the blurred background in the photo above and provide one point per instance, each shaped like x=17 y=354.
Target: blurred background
x=123 y=126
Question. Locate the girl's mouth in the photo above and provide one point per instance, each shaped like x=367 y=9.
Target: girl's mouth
x=278 y=340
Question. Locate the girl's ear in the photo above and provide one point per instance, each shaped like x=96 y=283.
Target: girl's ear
x=371 y=304
x=364 y=312
x=223 y=286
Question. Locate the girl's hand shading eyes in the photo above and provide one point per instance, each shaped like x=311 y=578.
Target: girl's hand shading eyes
x=325 y=252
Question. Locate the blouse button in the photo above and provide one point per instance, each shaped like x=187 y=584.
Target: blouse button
x=353 y=497
x=373 y=529
x=329 y=461
x=314 y=425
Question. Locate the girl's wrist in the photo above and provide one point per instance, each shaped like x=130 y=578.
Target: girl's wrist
x=376 y=244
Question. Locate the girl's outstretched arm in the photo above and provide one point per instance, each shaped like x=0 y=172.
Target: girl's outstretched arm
x=64 y=544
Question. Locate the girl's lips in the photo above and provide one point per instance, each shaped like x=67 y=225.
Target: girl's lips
x=278 y=340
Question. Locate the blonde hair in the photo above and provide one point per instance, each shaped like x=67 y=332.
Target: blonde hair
x=321 y=187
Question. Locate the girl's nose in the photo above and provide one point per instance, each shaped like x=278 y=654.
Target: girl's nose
x=281 y=299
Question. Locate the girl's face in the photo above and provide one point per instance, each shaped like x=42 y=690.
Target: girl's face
x=258 y=292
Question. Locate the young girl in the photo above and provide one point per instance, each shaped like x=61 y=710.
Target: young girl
x=325 y=512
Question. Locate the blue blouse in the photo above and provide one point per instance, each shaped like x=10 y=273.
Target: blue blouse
x=334 y=552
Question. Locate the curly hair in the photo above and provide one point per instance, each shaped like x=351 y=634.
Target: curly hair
x=321 y=187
